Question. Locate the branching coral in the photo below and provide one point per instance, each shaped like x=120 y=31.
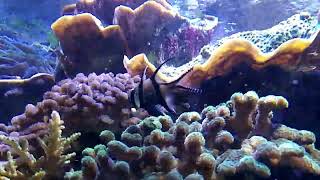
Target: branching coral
x=23 y=59
x=86 y=103
x=22 y=164
x=206 y=146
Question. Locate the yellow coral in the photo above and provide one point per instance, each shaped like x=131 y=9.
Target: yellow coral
x=236 y=51
x=49 y=165
x=230 y=54
x=54 y=146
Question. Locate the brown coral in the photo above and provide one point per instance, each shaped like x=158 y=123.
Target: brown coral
x=141 y=24
x=87 y=45
x=151 y=27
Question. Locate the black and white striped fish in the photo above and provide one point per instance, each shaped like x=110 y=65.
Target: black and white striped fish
x=160 y=98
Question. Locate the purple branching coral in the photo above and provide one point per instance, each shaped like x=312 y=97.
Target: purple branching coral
x=86 y=103
x=230 y=139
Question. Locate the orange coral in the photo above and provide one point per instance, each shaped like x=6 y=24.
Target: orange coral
x=137 y=64
x=87 y=45
x=234 y=52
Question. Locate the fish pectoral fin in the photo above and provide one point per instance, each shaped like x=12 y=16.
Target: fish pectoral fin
x=170 y=103
x=160 y=109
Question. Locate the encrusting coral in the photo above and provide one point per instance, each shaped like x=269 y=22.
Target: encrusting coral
x=295 y=50
x=207 y=146
x=302 y=25
x=141 y=24
x=37 y=78
x=233 y=52
x=15 y=93
x=23 y=164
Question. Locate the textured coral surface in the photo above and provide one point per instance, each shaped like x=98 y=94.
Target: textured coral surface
x=86 y=103
x=24 y=163
x=268 y=41
x=228 y=140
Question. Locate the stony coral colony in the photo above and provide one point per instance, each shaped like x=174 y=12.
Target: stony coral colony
x=233 y=139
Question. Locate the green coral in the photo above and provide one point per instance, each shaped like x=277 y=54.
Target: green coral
x=49 y=165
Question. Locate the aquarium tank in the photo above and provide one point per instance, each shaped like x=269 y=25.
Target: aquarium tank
x=159 y=89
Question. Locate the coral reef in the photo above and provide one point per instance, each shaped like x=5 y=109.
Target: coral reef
x=23 y=164
x=244 y=48
x=210 y=145
x=21 y=57
x=151 y=28
x=86 y=103
x=242 y=138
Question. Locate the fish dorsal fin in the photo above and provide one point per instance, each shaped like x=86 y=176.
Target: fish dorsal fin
x=176 y=83
x=153 y=76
